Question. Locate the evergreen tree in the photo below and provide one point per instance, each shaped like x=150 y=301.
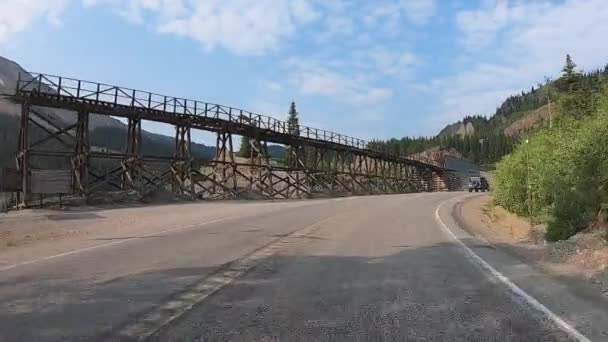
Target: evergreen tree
x=571 y=79
x=569 y=67
x=293 y=122
x=576 y=97
x=245 y=149
x=293 y=127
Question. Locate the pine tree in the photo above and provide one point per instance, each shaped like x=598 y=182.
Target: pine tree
x=293 y=127
x=293 y=123
x=245 y=149
x=569 y=67
x=575 y=93
x=571 y=79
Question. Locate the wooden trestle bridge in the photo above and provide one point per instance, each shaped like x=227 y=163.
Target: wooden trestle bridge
x=318 y=161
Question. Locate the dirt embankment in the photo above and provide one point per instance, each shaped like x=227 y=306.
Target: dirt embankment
x=583 y=257
x=532 y=120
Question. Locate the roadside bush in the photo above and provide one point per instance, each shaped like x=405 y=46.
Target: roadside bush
x=572 y=212
x=559 y=175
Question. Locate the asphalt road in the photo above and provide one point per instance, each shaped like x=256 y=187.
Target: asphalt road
x=357 y=269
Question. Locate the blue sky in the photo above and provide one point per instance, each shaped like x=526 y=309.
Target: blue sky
x=370 y=69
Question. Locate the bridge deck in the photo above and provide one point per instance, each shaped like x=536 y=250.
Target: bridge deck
x=99 y=98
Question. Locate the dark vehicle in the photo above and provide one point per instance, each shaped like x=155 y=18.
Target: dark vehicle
x=478 y=184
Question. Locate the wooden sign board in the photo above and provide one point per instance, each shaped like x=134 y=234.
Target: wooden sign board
x=10 y=180
x=50 y=181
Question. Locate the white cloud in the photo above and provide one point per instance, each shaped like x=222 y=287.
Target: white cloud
x=340 y=25
x=381 y=11
x=393 y=63
x=241 y=26
x=334 y=6
x=134 y=10
x=355 y=80
x=259 y=26
x=482 y=26
x=312 y=78
x=386 y=16
x=269 y=99
x=17 y=15
x=303 y=11
x=530 y=47
x=389 y=15
x=419 y=11
x=335 y=26
x=358 y=78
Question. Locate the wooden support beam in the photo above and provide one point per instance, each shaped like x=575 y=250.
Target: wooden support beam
x=23 y=159
x=80 y=161
x=317 y=161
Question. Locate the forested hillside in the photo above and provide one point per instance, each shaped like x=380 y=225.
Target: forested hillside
x=559 y=175
x=487 y=140
x=482 y=147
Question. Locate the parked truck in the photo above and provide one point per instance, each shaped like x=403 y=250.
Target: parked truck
x=478 y=184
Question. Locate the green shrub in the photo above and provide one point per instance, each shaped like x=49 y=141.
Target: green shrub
x=572 y=212
x=559 y=175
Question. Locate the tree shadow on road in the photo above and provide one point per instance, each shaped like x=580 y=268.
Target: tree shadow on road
x=410 y=293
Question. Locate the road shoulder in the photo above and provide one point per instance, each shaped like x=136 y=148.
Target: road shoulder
x=582 y=260
x=577 y=303
x=39 y=234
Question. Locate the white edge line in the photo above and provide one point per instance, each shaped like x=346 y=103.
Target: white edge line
x=567 y=328
x=86 y=249
x=13 y=266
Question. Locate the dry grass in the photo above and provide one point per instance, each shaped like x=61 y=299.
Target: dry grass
x=519 y=229
x=531 y=120
x=583 y=256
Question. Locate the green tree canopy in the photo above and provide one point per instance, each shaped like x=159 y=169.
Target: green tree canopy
x=245 y=149
x=293 y=122
x=575 y=95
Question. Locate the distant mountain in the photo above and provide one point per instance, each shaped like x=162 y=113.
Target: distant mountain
x=9 y=74
x=516 y=116
x=486 y=140
x=458 y=129
x=511 y=117
x=277 y=152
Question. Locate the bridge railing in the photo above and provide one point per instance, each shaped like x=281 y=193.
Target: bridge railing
x=105 y=94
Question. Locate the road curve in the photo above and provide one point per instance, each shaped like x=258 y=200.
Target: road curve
x=375 y=268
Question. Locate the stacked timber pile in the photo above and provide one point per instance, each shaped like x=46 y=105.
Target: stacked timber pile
x=446 y=182
x=438 y=183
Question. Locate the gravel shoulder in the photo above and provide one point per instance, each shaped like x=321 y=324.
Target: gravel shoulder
x=34 y=234
x=581 y=261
